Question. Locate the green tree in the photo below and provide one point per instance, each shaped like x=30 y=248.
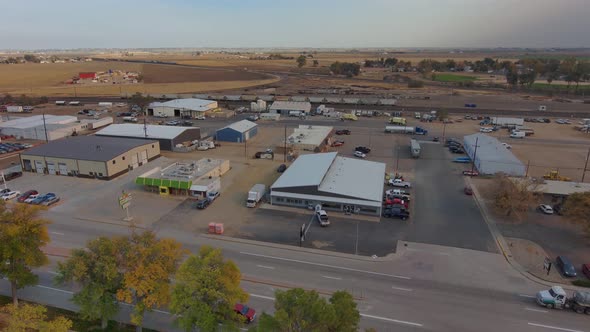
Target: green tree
x=31 y=58
x=95 y=269
x=577 y=209
x=301 y=61
x=298 y=310
x=140 y=100
x=206 y=289
x=316 y=63
x=28 y=317
x=147 y=264
x=22 y=235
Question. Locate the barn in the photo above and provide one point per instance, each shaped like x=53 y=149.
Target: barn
x=239 y=132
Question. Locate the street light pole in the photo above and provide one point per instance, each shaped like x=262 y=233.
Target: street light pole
x=474 y=155
x=586 y=165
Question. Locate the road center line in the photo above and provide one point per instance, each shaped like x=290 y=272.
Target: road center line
x=335 y=278
x=392 y=320
x=554 y=327
x=266 y=267
x=55 y=289
x=326 y=265
x=262 y=297
x=536 y=310
x=402 y=289
x=57 y=233
x=524 y=295
x=52 y=272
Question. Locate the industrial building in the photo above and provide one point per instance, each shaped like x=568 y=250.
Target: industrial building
x=185 y=108
x=49 y=127
x=310 y=138
x=291 y=108
x=190 y=178
x=337 y=183
x=238 y=132
x=89 y=156
x=168 y=136
x=491 y=157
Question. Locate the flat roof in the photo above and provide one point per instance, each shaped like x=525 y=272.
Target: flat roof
x=241 y=126
x=37 y=120
x=564 y=188
x=188 y=169
x=307 y=134
x=490 y=149
x=355 y=178
x=291 y=106
x=187 y=103
x=137 y=130
x=306 y=170
x=93 y=148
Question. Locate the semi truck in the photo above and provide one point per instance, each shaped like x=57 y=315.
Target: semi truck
x=556 y=297
x=415 y=148
x=255 y=195
x=406 y=130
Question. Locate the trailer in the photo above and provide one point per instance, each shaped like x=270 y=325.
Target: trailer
x=14 y=109
x=406 y=130
x=398 y=121
x=501 y=121
x=415 y=148
x=60 y=103
x=255 y=195
x=105 y=104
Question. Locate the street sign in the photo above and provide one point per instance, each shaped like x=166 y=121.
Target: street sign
x=546 y=264
x=125 y=200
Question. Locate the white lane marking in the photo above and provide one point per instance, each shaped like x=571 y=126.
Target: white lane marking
x=524 y=295
x=392 y=320
x=52 y=272
x=162 y=312
x=536 y=310
x=266 y=267
x=57 y=233
x=326 y=265
x=335 y=278
x=402 y=289
x=262 y=297
x=55 y=289
x=554 y=327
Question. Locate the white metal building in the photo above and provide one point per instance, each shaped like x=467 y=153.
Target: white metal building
x=168 y=136
x=39 y=127
x=290 y=107
x=310 y=138
x=500 y=121
x=186 y=108
x=491 y=156
x=338 y=183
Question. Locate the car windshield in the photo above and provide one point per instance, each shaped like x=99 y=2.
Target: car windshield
x=245 y=310
x=553 y=294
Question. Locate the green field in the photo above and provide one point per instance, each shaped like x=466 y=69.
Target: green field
x=453 y=78
x=560 y=87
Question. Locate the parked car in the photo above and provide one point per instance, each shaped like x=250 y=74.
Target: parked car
x=362 y=149
x=172 y=123
x=337 y=143
x=212 y=195
x=4 y=191
x=359 y=154
x=322 y=218
x=471 y=173
x=243 y=310
x=565 y=266
x=42 y=198
x=50 y=201
x=435 y=139
x=31 y=198
x=586 y=270
x=507 y=146
x=343 y=132
x=468 y=191
x=282 y=168
x=396 y=212
x=399 y=183
x=202 y=203
x=253 y=118
x=26 y=195
x=201 y=117
x=546 y=209
x=558 y=209
x=10 y=195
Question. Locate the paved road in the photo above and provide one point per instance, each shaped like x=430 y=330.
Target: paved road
x=421 y=288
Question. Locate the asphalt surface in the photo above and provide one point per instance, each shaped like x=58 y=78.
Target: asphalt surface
x=422 y=288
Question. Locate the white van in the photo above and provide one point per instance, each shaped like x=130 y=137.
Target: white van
x=517 y=134
x=130 y=119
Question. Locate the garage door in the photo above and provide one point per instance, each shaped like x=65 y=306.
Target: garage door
x=51 y=168
x=144 y=159
x=246 y=135
x=63 y=169
x=39 y=166
x=134 y=162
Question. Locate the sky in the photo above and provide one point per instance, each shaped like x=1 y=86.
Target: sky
x=66 y=24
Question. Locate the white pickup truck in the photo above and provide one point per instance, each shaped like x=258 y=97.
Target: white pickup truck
x=399 y=183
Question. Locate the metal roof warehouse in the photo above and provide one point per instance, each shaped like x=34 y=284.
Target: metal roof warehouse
x=491 y=156
x=284 y=107
x=187 y=107
x=240 y=131
x=168 y=136
x=338 y=183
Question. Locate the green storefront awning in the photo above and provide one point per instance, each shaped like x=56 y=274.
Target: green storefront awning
x=178 y=184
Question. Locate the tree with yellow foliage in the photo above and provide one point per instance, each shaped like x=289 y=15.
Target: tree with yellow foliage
x=28 y=317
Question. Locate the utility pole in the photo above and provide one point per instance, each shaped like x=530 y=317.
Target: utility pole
x=586 y=165
x=45 y=128
x=474 y=155
x=397 y=157
x=145 y=127
x=528 y=164
x=246 y=150
x=285 y=146
x=444 y=130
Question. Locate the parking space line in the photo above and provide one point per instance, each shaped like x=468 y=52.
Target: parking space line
x=335 y=278
x=266 y=267
x=262 y=297
x=326 y=265
x=392 y=320
x=554 y=327
x=536 y=310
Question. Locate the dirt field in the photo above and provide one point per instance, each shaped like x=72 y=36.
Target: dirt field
x=177 y=74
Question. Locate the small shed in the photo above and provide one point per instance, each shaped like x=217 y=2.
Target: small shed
x=239 y=132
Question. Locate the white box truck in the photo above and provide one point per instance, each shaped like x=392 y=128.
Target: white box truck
x=517 y=134
x=255 y=195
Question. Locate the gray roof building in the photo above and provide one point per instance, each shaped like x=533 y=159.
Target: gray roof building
x=284 y=107
x=491 y=157
x=168 y=136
